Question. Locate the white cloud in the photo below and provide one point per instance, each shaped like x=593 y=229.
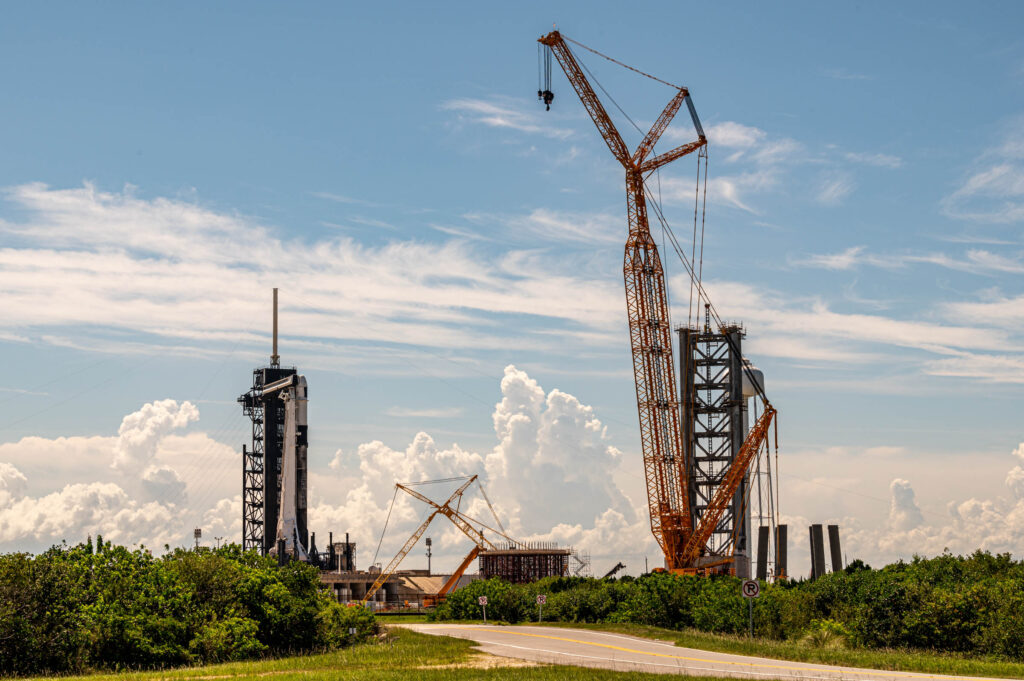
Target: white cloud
x=551 y=476
x=975 y=260
x=834 y=188
x=66 y=488
x=12 y=484
x=93 y=265
x=81 y=509
x=994 y=191
x=507 y=113
x=879 y=160
x=140 y=432
x=436 y=413
x=733 y=135
x=903 y=511
x=559 y=226
x=1003 y=311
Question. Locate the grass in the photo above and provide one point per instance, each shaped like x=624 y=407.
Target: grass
x=384 y=618
x=897 y=660
x=402 y=655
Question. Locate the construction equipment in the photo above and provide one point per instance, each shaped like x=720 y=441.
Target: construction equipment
x=466 y=524
x=614 y=570
x=665 y=464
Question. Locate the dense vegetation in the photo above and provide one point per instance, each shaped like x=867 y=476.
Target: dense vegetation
x=968 y=605
x=79 y=608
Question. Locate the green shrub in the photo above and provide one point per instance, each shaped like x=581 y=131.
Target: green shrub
x=826 y=633
x=340 y=625
x=233 y=638
x=963 y=604
x=77 y=608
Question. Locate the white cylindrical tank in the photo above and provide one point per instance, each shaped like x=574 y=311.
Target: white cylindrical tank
x=752 y=372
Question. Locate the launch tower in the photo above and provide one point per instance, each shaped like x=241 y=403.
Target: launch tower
x=262 y=465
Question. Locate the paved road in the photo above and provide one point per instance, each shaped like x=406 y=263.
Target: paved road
x=588 y=648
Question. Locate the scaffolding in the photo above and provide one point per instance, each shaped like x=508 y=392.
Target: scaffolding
x=528 y=564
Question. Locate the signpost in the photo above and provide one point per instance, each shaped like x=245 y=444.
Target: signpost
x=541 y=600
x=751 y=590
x=483 y=604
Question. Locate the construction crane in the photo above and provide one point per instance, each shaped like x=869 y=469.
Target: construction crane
x=664 y=455
x=462 y=521
x=614 y=570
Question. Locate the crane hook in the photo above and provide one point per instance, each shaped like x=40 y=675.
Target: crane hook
x=547 y=96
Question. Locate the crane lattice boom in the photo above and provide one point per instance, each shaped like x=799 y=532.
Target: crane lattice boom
x=650 y=334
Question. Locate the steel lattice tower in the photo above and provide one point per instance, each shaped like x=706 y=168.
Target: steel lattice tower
x=712 y=406
x=261 y=465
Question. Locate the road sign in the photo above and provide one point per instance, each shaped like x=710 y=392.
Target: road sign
x=482 y=600
x=542 y=599
x=751 y=589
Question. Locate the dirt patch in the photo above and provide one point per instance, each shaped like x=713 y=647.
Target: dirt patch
x=484 y=661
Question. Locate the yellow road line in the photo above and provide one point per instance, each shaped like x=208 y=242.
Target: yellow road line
x=843 y=670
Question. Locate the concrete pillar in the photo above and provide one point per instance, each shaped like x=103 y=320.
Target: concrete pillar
x=762 y=552
x=834 y=548
x=781 y=551
x=817 y=551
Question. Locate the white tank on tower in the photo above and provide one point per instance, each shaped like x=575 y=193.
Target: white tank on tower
x=752 y=376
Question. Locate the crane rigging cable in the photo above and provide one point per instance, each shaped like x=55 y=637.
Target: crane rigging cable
x=696 y=270
x=699 y=286
x=625 y=66
x=681 y=530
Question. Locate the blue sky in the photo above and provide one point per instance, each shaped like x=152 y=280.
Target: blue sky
x=389 y=168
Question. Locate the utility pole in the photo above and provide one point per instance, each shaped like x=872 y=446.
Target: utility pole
x=429 y=554
x=218 y=541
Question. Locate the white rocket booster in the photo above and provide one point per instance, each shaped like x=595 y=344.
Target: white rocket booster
x=295 y=423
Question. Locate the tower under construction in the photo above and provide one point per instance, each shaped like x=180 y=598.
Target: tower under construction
x=714 y=387
x=273 y=504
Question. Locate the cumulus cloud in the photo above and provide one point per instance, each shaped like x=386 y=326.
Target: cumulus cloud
x=163 y=483
x=12 y=484
x=141 y=430
x=66 y=488
x=87 y=508
x=551 y=476
x=993 y=523
x=903 y=511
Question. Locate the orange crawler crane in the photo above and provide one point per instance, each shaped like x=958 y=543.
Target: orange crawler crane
x=665 y=465
x=450 y=509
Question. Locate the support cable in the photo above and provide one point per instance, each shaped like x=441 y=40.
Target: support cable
x=606 y=93
x=386 y=521
x=693 y=246
x=703 y=212
x=700 y=287
x=616 y=61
